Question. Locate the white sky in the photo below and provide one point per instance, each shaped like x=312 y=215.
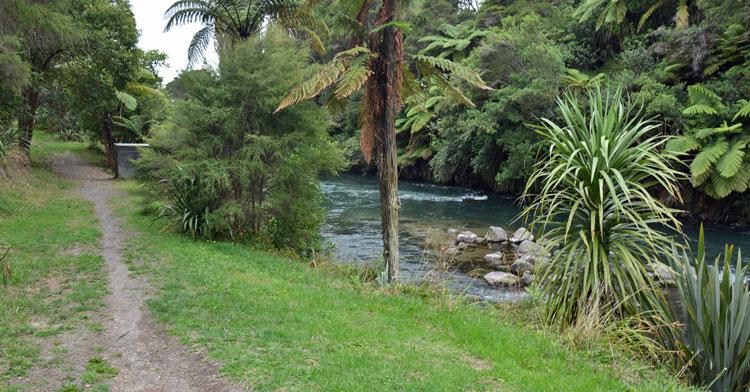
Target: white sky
x=149 y=15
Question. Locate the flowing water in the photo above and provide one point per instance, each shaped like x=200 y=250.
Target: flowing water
x=353 y=226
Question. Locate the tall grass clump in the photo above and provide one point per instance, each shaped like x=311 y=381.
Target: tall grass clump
x=591 y=199
x=716 y=313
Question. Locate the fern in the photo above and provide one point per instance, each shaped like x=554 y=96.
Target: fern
x=731 y=162
x=682 y=144
x=128 y=100
x=453 y=68
x=705 y=159
x=744 y=110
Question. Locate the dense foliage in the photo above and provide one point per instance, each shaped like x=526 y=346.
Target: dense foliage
x=233 y=169
x=528 y=51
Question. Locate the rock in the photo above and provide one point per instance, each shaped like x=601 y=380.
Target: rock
x=497 y=278
x=452 y=231
x=521 y=235
x=466 y=236
x=530 y=248
x=495 y=260
x=496 y=234
x=662 y=272
x=521 y=266
x=527 y=278
x=462 y=246
x=481 y=240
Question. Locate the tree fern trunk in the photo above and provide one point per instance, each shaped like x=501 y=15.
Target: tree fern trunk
x=26 y=117
x=384 y=88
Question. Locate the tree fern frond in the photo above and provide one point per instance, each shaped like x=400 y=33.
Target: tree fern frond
x=682 y=144
x=744 y=110
x=646 y=15
x=328 y=75
x=699 y=109
x=707 y=157
x=198 y=45
x=731 y=162
x=455 y=69
x=352 y=80
x=128 y=100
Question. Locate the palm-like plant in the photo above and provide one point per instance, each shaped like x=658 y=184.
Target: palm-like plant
x=454 y=42
x=132 y=128
x=716 y=309
x=590 y=201
x=721 y=163
x=608 y=12
x=236 y=20
x=377 y=63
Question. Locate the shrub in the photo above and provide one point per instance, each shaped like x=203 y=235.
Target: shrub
x=230 y=167
x=716 y=313
x=590 y=200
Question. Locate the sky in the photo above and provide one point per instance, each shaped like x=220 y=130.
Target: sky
x=149 y=16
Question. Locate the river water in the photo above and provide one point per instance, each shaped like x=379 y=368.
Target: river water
x=353 y=226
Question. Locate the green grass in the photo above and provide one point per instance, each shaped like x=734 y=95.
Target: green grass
x=281 y=325
x=57 y=278
x=275 y=323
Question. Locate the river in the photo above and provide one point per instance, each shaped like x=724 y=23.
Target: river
x=352 y=226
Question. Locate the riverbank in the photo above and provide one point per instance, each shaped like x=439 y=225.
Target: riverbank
x=275 y=323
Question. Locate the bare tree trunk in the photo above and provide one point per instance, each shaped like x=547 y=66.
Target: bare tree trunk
x=26 y=119
x=109 y=144
x=384 y=88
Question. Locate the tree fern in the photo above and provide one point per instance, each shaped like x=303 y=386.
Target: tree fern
x=731 y=162
x=705 y=159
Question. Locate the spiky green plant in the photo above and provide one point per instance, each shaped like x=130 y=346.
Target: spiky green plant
x=721 y=164
x=8 y=138
x=590 y=197
x=189 y=206
x=716 y=310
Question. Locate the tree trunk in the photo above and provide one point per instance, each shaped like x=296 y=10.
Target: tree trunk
x=109 y=144
x=384 y=87
x=26 y=119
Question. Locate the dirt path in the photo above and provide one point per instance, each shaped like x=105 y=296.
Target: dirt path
x=147 y=359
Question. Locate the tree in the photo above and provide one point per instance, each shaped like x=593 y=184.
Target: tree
x=45 y=31
x=380 y=68
x=236 y=20
x=102 y=66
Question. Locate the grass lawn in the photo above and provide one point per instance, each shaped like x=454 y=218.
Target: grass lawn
x=57 y=279
x=281 y=325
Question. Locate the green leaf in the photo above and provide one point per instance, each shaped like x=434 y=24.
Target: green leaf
x=128 y=100
x=682 y=144
x=707 y=157
x=731 y=162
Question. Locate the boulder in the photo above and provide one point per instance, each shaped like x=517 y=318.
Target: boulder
x=521 y=266
x=495 y=260
x=529 y=248
x=462 y=246
x=527 y=278
x=496 y=234
x=662 y=272
x=521 y=235
x=452 y=231
x=498 y=278
x=466 y=236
